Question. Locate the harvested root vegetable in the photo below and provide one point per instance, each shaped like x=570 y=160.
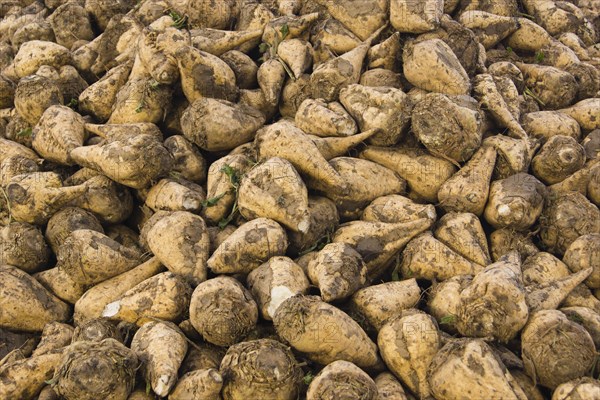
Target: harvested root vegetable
x=331 y=37
x=379 y=242
x=444 y=300
x=506 y=69
x=579 y=181
x=175 y=195
x=389 y=388
x=431 y=65
x=216 y=80
x=297 y=54
x=593 y=189
x=35 y=53
x=542 y=267
x=559 y=158
x=530 y=389
x=15 y=165
x=426 y=257
x=91 y=369
x=461 y=40
x=448 y=126
x=55 y=336
x=25 y=378
x=494 y=304
x=585 y=112
x=161 y=347
x=248 y=247
x=222 y=311
x=271 y=78
x=98 y=98
x=71 y=23
x=365 y=181
x=222 y=183
x=214 y=124
x=324 y=219
x=274 y=190
x=298 y=319
x=27 y=347
x=296 y=26
x=247 y=373
x=218 y=42
x=23 y=246
x=395 y=209
x=35 y=197
x=583 y=388
x=384 y=108
x=187 y=159
x=25 y=304
x=413 y=165
x=109 y=201
x=587 y=318
x=59 y=130
x=164 y=296
x=141 y=99
x=361 y=18
x=140 y=394
x=156 y=48
x=544 y=271
x=91 y=303
x=573 y=352
x=10 y=148
x=202 y=356
x=342 y=379
x=380 y=77
x=549 y=296
x=282 y=139
x=84 y=254
x=529 y=36
x=59 y=283
x=338 y=271
x=67 y=220
x=491 y=98
x=332 y=147
x=468 y=189
x=538 y=125
x=463 y=233
x=411 y=17
x=96 y=330
x=380 y=303
x=294 y=92
x=275 y=281
x=553 y=87
x=584 y=253
x=489 y=28
x=124 y=235
x=48 y=393
x=503 y=241
x=490 y=379
x=329 y=78
x=316 y=117
x=408 y=344
x=205 y=384
x=133 y=161
x=186 y=255
x=557 y=231
x=515 y=202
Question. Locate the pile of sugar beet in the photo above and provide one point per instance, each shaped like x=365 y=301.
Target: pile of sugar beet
x=299 y=199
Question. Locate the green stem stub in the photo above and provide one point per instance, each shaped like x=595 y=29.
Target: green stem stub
x=448 y=319
x=179 y=21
